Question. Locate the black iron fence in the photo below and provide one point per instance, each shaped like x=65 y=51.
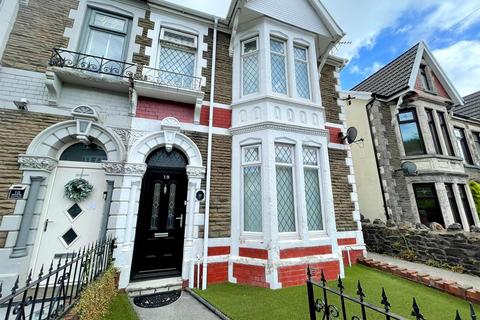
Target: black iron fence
x=359 y=309
x=86 y=62
x=56 y=290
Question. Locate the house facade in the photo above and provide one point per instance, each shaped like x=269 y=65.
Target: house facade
x=406 y=116
x=212 y=144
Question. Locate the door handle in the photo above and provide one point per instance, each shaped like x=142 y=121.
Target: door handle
x=181 y=220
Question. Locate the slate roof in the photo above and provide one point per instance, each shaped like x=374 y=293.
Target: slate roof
x=391 y=78
x=471 y=109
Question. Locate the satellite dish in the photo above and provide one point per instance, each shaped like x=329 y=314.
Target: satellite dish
x=409 y=168
x=351 y=135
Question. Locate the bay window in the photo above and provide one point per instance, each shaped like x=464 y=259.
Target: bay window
x=433 y=131
x=463 y=145
x=445 y=134
x=411 y=137
x=462 y=188
x=278 y=66
x=284 y=159
x=250 y=76
x=301 y=71
x=252 y=189
x=311 y=171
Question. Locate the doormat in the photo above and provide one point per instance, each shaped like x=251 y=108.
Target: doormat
x=157 y=299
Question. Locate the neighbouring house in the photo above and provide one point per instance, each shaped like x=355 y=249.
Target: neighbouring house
x=409 y=112
x=243 y=178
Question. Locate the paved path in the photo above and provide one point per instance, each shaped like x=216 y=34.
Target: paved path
x=460 y=278
x=185 y=308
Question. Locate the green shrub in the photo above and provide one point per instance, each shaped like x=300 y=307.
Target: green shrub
x=475 y=188
x=433 y=263
x=408 y=255
x=96 y=299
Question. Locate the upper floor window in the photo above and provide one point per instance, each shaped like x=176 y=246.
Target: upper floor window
x=84 y=153
x=278 y=64
x=445 y=134
x=106 y=36
x=311 y=171
x=425 y=78
x=284 y=159
x=433 y=131
x=411 y=137
x=177 y=58
x=250 y=77
x=252 y=188
x=301 y=71
x=463 y=145
x=476 y=137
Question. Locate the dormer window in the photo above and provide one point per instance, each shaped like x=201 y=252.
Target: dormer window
x=278 y=65
x=250 y=81
x=301 y=71
x=425 y=79
x=177 y=58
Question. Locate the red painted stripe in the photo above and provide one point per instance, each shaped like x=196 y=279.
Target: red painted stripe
x=253 y=253
x=304 y=252
x=218 y=251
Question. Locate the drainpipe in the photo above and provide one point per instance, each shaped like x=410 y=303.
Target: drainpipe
x=209 y=158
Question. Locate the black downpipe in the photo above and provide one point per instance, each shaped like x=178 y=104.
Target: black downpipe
x=369 y=104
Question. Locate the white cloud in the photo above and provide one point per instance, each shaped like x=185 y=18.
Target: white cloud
x=461 y=63
x=366 y=71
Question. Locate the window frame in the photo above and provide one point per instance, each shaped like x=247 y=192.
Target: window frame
x=244 y=164
x=467 y=210
x=306 y=61
x=414 y=120
x=462 y=143
x=175 y=45
x=446 y=134
x=437 y=201
x=425 y=79
x=284 y=55
x=247 y=54
x=476 y=138
x=291 y=165
x=432 y=125
x=449 y=187
x=318 y=168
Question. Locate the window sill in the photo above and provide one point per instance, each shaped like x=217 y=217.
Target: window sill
x=429 y=156
x=275 y=98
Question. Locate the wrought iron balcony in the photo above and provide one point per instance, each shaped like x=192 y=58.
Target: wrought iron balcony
x=81 y=61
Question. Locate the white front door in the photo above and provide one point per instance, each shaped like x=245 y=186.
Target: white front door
x=67 y=226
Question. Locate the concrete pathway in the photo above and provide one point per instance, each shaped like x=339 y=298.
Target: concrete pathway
x=185 y=308
x=460 y=278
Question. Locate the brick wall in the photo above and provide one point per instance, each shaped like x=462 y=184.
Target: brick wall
x=222 y=118
x=17 y=130
x=220 y=213
x=329 y=94
x=16 y=84
x=143 y=40
x=304 y=252
x=251 y=275
x=253 y=253
x=341 y=190
x=38 y=28
x=297 y=275
x=159 y=109
x=223 y=70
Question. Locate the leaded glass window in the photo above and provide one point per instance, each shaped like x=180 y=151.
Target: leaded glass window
x=312 y=188
x=285 y=191
x=250 y=76
x=84 y=152
x=252 y=189
x=301 y=71
x=278 y=66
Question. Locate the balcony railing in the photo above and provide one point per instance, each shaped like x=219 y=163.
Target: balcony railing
x=81 y=61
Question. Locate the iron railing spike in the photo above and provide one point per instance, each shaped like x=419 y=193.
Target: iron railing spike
x=385 y=301
x=457 y=316
x=416 y=311
x=41 y=271
x=360 y=292
x=473 y=315
x=322 y=278
x=340 y=284
x=15 y=285
x=1 y=287
x=309 y=273
x=29 y=277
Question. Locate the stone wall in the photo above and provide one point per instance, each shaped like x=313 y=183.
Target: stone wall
x=220 y=208
x=17 y=130
x=223 y=69
x=329 y=94
x=455 y=250
x=39 y=27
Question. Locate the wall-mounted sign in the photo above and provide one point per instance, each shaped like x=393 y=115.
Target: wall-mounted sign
x=16 y=191
x=200 y=195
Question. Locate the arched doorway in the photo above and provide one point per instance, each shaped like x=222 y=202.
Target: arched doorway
x=159 y=236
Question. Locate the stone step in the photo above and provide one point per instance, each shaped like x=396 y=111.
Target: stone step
x=139 y=288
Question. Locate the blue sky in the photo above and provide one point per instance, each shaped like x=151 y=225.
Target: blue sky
x=380 y=30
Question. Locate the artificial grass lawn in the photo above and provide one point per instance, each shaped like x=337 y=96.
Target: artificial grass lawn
x=246 y=302
x=121 y=309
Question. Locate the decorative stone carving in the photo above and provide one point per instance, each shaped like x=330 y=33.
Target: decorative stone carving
x=84 y=111
x=123 y=168
x=128 y=136
x=195 y=172
x=170 y=125
x=29 y=162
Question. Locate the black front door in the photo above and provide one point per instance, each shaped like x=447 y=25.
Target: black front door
x=159 y=236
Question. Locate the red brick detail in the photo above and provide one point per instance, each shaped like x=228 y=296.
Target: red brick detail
x=355 y=255
x=222 y=118
x=347 y=241
x=253 y=253
x=438 y=86
x=218 y=251
x=335 y=134
x=217 y=273
x=159 y=109
x=304 y=252
x=297 y=275
x=251 y=275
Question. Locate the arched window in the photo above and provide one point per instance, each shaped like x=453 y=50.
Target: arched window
x=162 y=158
x=84 y=153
